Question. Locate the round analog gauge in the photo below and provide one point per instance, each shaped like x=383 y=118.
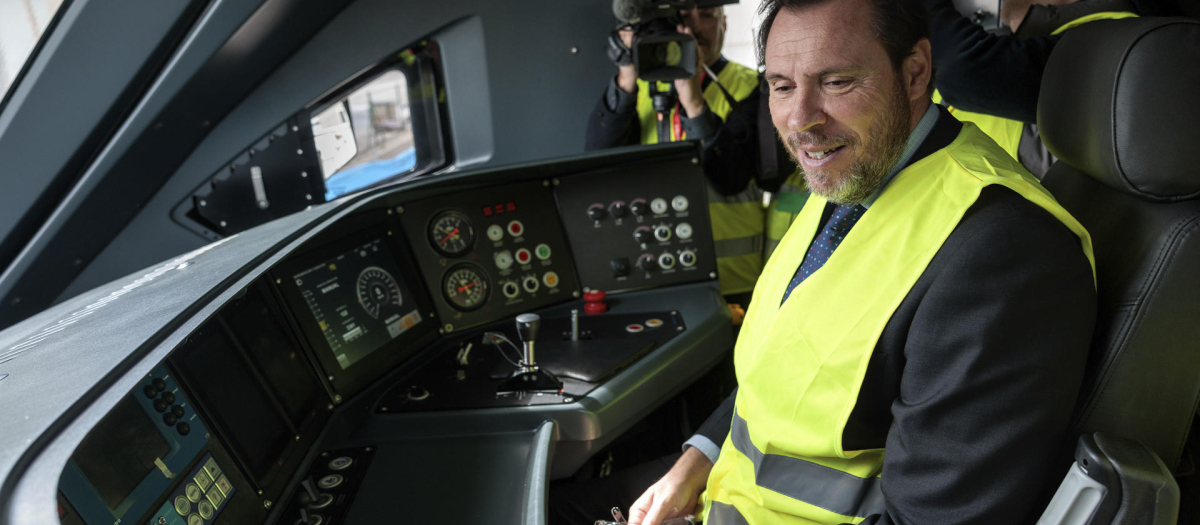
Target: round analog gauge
x=377 y=289
x=466 y=287
x=451 y=233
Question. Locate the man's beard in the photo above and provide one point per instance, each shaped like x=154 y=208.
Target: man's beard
x=884 y=142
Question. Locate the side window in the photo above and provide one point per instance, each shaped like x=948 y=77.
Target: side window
x=382 y=125
x=21 y=27
x=366 y=137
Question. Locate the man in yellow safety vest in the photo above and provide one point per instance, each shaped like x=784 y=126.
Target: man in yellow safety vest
x=916 y=342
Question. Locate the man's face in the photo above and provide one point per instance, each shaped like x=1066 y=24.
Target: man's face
x=708 y=26
x=838 y=104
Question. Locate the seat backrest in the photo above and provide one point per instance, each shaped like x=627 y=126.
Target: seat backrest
x=1120 y=107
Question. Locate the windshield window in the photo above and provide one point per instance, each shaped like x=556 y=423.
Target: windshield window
x=22 y=23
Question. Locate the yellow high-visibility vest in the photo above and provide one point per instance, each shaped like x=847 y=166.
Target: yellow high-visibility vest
x=800 y=365
x=737 y=220
x=1007 y=132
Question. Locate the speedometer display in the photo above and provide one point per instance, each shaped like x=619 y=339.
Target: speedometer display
x=451 y=233
x=466 y=287
x=377 y=289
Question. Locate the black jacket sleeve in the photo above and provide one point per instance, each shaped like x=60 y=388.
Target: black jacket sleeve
x=613 y=122
x=985 y=73
x=732 y=157
x=717 y=426
x=994 y=357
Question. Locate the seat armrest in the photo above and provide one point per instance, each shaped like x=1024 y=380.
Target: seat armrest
x=1114 y=481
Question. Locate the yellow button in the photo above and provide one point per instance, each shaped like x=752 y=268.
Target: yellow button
x=550 y=279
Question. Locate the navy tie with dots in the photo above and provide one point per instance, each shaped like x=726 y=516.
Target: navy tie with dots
x=844 y=217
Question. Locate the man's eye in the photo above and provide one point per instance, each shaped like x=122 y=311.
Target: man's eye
x=837 y=83
x=781 y=89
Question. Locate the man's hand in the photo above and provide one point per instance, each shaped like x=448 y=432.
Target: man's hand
x=691 y=95
x=675 y=494
x=627 y=74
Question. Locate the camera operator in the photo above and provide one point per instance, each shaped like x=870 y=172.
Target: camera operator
x=728 y=130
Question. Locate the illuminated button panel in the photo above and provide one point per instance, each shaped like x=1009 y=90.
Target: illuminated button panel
x=519 y=262
x=200 y=499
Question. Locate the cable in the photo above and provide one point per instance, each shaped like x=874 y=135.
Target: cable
x=494 y=338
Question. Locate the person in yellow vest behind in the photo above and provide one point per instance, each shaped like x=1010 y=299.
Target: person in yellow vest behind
x=992 y=79
x=698 y=109
x=916 y=342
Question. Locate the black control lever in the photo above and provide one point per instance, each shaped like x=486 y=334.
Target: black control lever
x=530 y=378
x=313 y=495
x=528 y=326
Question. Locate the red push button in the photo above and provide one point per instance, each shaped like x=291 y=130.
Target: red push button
x=515 y=228
x=523 y=256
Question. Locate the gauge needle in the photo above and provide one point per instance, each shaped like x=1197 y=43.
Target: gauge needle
x=466 y=287
x=448 y=236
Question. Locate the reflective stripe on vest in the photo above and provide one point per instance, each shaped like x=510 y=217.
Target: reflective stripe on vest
x=737 y=220
x=784 y=208
x=1007 y=132
x=800 y=364
x=812 y=483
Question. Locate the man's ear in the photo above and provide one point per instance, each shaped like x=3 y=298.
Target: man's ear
x=917 y=69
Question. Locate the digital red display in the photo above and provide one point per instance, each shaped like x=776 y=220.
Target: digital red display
x=498 y=209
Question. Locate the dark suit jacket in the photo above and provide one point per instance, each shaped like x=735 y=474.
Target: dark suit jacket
x=972 y=383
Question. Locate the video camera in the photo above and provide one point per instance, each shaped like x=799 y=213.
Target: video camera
x=659 y=52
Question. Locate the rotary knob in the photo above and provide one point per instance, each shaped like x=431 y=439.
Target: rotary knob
x=617 y=209
x=596 y=212
x=639 y=207
x=647 y=263
x=642 y=234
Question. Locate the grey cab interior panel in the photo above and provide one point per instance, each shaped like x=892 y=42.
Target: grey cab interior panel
x=513 y=96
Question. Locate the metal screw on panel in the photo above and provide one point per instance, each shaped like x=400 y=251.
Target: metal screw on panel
x=260 y=493
x=389 y=212
x=556 y=182
x=575 y=293
x=399 y=209
x=330 y=378
x=297 y=438
x=449 y=327
x=574 y=50
x=368 y=449
x=295 y=128
x=203 y=203
x=329 y=406
x=383 y=409
x=324 y=454
x=307 y=197
x=277 y=281
x=304 y=174
x=222 y=224
x=301 y=152
x=337 y=398
x=712 y=275
x=267 y=504
x=695 y=160
x=568 y=400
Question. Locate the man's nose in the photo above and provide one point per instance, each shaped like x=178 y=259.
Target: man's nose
x=804 y=110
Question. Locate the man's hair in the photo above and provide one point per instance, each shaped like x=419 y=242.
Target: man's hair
x=897 y=24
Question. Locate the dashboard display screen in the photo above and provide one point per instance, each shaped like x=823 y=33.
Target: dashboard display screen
x=358 y=301
x=118 y=454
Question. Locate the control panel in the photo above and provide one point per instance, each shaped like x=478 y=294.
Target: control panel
x=641 y=228
x=200 y=499
x=490 y=254
x=128 y=460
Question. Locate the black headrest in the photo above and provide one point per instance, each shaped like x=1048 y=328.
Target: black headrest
x=1120 y=101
